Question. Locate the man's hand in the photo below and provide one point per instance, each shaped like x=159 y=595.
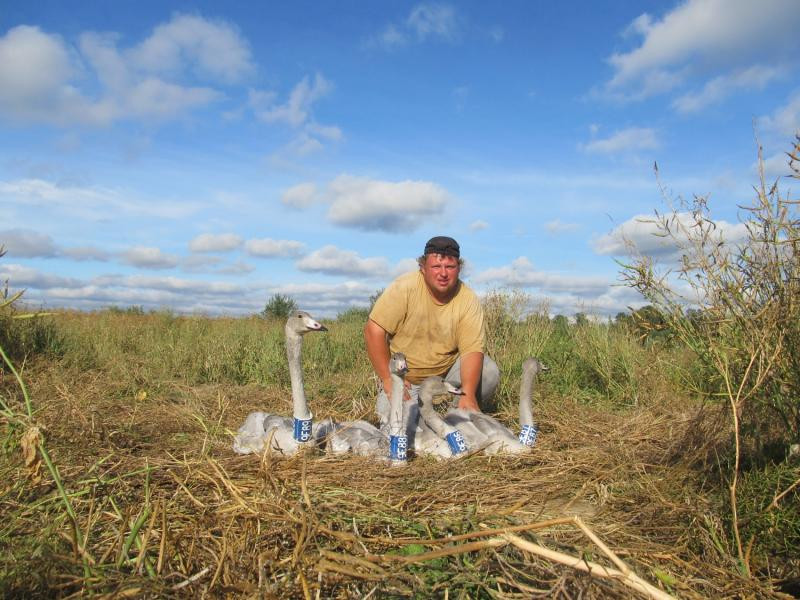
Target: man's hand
x=468 y=402
x=471 y=365
x=387 y=388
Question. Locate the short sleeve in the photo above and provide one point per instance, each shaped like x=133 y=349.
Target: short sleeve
x=390 y=308
x=471 y=332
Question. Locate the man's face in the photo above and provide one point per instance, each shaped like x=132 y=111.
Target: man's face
x=441 y=274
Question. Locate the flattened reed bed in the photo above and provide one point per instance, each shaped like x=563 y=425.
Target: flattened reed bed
x=167 y=510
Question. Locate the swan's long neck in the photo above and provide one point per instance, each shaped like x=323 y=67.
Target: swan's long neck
x=441 y=427
x=396 y=406
x=294 y=346
x=526 y=398
x=454 y=438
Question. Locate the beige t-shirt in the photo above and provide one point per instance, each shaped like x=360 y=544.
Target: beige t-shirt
x=431 y=335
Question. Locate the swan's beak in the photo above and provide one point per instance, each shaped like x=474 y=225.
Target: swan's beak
x=453 y=390
x=313 y=325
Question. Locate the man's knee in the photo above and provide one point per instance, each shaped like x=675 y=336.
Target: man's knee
x=490 y=378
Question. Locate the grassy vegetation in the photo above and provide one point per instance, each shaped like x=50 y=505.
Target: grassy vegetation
x=137 y=411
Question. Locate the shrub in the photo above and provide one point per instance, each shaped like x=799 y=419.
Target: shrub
x=279 y=307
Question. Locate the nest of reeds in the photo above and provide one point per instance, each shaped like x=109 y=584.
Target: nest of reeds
x=162 y=507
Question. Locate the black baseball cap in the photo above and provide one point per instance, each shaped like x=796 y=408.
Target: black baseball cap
x=441 y=244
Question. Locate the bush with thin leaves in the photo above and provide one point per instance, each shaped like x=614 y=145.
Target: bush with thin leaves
x=279 y=307
x=736 y=304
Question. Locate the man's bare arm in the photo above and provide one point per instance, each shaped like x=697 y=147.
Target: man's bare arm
x=378 y=352
x=471 y=367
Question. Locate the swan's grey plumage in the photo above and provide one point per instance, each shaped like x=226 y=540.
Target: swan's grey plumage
x=500 y=439
x=445 y=440
x=363 y=438
x=285 y=435
x=485 y=433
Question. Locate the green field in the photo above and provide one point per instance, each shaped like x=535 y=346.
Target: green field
x=136 y=413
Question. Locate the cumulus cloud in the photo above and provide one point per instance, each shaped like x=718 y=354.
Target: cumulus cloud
x=625 y=140
x=215 y=242
x=20 y=276
x=35 y=71
x=785 y=120
x=300 y=196
x=96 y=83
x=24 y=243
x=335 y=261
x=211 y=48
x=478 y=225
x=371 y=204
x=181 y=294
x=297 y=109
x=724 y=85
x=641 y=235
x=425 y=21
x=86 y=253
x=269 y=248
x=558 y=227
x=521 y=273
x=297 y=113
x=89 y=202
x=147 y=257
x=699 y=37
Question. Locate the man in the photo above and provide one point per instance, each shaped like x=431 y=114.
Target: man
x=437 y=322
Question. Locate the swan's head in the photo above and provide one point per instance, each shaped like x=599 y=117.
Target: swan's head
x=300 y=323
x=534 y=366
x=436 y=386
x=398 y=365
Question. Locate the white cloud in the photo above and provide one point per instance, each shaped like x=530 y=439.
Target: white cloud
x=641 y=235
x=300 y=196
x=335 y=261
x=91 y=203
x=269 y=248
x=147 y=257
x=297 y=112
x=20 y=276
x=521 y=272
x=558 y=226
x=775 y=166
x=212 y=48
x=433 y=20
x=785 y=120
x=371 y=204
x=478 y=225
x=717 y=89
x=701 y=36
x=197 y=263
x=35 y=70
x=426 y=21
x=297 y=109
x=625 y=140
x=24 y=243
x=96 y=83
x=179 y=294
x=211 y=242
x=86 y=253
x=237 y=268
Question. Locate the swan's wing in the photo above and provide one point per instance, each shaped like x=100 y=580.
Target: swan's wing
x=358 y=437
x=491 y=427
x=505 y=442
x=461 y=420
x=251 y=435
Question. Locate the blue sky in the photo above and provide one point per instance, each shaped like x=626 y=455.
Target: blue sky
x=204 y=156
